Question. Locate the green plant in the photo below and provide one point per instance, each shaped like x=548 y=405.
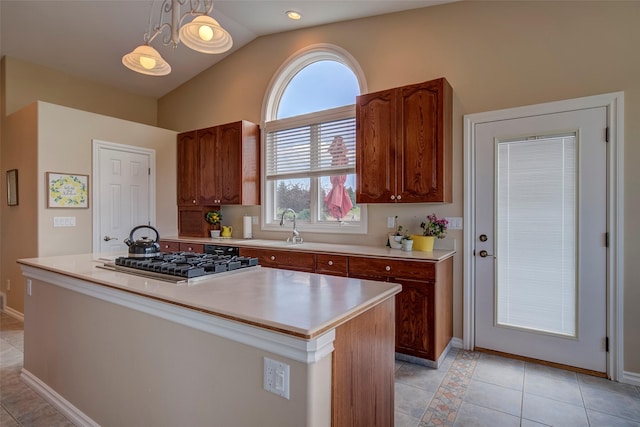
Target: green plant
x=398 y=227
x=434 y=226
x=213 y=217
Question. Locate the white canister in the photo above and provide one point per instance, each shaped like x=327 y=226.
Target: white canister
x=246 y=227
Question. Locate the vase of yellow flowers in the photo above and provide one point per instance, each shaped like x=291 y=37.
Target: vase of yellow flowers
x=214 y=218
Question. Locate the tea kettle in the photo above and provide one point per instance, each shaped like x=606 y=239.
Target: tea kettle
x=143 y=247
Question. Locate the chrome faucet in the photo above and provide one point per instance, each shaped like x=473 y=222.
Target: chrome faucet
x=295 y=237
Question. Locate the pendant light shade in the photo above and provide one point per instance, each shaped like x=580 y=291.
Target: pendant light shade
x=146 y=60
x=205 y=35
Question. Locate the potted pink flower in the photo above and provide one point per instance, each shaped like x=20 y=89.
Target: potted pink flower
x=433 y=228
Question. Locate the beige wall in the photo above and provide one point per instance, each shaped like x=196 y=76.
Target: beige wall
x=29 y=82
x=45 y=138
x=495 y=55
x=19 y=224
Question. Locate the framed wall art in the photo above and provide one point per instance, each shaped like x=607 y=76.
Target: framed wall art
x=67 y=190
x=12 y=187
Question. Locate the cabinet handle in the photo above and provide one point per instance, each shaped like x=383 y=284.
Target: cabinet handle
x=393 y=197
x=330 y=263
x=273 y=258
x=387 y=268
x=193 y=201
x=398 y=197
x=189 y=248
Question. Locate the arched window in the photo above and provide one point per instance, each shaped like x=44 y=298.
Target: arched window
x=309 y=142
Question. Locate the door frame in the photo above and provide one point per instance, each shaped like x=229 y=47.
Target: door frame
x=98 y=145
x=615 y=214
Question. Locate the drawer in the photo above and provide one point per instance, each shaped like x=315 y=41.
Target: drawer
x=289 y=260
x=192 y=247
x=166 y=246
x=332 y=264
x=391 y=268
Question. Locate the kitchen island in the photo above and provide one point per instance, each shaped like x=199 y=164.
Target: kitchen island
x=110 y=348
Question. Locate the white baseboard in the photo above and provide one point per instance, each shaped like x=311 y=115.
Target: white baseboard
x=457 y=342
x=72 y=413
x=13 y=313
x=630 y=378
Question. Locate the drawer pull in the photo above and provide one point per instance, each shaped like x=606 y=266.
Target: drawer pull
x=273 y=258
x=330 y=263
x=190 y=249
x=388 y=268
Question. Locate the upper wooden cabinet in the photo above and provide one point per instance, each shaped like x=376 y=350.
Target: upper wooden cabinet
x=219 y=165
x=403 y=144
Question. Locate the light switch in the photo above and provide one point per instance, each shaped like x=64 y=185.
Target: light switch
x=455 y=222
x=64 y=221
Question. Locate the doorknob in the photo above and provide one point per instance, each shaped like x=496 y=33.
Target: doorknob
x=107 y=238
x=484 y=254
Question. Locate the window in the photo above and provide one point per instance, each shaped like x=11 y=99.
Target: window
x=309 y=143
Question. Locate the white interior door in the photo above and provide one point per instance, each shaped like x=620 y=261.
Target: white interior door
x=122 y=189
x=540 y=244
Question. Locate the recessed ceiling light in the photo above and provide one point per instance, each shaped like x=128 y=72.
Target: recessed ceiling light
x=292 y=14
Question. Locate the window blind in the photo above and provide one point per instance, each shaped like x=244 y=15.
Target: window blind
x=310 y=149
x=537 y=234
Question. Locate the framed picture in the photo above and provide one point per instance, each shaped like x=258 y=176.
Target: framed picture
x=67 y=190
x=12 y=187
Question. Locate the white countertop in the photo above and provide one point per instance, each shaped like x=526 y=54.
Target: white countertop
x=341 y=249
x=301 y=304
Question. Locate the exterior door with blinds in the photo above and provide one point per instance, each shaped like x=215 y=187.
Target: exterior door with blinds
x=540 y=248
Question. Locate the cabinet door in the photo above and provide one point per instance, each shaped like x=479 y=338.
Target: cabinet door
x=415 y=319
x=336 y=265
x=188 y=169
x=288 y=260
x=209 y=155
x=424 y=152
x=167 y=246
x=229 y=168
x=376 y=147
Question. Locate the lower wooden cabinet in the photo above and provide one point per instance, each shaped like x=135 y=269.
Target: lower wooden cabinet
x=424 y=308
x=335 y=265
x=168 y=246
x=299 y=261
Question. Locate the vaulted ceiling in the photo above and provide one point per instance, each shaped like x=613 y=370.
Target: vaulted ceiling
x=88 y=38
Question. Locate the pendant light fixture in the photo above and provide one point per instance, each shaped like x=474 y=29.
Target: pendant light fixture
x=203 y=34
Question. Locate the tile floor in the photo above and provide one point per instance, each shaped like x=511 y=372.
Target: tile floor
x=470 y=389
x=478 y=389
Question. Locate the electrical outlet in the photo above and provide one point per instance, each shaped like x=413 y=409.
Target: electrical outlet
x=276 y=377
x=391 y=223
x=8 y=284
x=29 y=287
x=254 y=220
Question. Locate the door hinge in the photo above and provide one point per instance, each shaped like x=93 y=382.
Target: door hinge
x=606 y=134
x=149 y=171
x=606 y=344
x=606 y=239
